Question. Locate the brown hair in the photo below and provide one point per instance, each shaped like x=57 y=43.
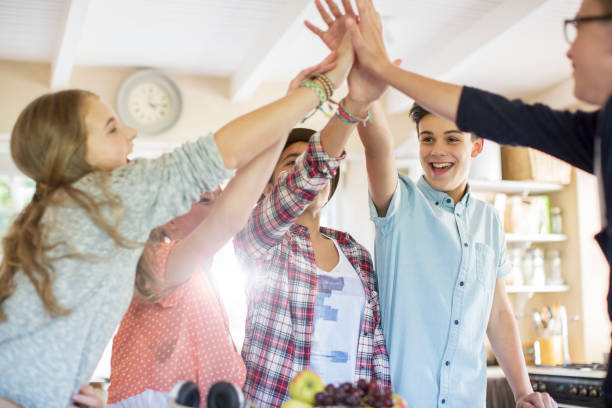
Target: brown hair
x=417 y=113
x=303 y=135
x=607 y=5
x=48 y=144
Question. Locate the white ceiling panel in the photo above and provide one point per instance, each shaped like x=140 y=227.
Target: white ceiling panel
x=527 y=58
x=415 y=33
x=222 y=37
x=207 y=37
x=30 y=29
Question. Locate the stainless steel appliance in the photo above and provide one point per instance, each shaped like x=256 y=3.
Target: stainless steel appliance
x=571 y=385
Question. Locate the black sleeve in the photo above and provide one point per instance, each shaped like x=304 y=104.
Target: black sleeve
x=563 y=134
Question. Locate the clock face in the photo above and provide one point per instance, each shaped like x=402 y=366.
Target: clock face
x=149 y=103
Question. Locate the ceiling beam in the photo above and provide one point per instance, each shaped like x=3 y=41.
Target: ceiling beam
x=74 y=24
x=448 y=59
x=252 y=70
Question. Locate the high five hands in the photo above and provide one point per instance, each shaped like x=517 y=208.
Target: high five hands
x=366 y=31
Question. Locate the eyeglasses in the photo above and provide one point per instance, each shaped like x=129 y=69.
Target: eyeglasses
x=571 y=25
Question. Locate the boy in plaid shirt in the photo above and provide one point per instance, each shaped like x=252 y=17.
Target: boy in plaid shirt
x=291 y=312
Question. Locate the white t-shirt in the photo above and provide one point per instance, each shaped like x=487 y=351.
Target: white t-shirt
x=337 y=322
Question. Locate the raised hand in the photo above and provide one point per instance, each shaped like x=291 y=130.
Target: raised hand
x=368 y=40
x=336 y=23
x=326 y=65
x=336 y=65
x=364 y=87
x=344 y=62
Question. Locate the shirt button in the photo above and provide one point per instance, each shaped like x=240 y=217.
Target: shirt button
x=447 y=363
x=437 y=203
x=448 y=200
x=465 y=245
x=456 y=322
x=443 y=401
x=461 y=283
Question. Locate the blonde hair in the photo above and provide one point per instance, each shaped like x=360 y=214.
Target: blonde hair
x=48 y=144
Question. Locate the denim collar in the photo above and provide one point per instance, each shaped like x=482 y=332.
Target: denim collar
x=440 y=198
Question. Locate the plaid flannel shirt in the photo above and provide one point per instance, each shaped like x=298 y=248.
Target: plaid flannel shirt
x=283 y=285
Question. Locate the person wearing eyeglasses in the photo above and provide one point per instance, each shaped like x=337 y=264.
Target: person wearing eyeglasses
x=583 y=139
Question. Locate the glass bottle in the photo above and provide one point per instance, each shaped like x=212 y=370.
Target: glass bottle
x=539 y=274
x=553 y=272
x=515 y=277
x=556 y=221
x=527 y=267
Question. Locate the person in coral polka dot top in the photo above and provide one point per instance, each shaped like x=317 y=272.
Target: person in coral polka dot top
x=176 y=328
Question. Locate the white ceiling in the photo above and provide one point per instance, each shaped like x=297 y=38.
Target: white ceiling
x=515 y=47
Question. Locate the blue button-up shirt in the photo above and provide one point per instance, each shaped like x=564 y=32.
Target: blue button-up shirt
x=437 y=264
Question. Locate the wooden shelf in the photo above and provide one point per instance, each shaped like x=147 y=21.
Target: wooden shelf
x=514 y=187
x=496 y=186
x=536 y=289
x=541 y=238
x=523 y=293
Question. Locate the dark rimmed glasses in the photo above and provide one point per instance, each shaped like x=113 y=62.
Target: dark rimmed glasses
x=571 y=25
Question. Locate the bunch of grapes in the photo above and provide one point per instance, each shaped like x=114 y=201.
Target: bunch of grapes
x=371 y=394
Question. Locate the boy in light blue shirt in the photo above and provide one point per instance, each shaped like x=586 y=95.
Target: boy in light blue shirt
x=440 y=256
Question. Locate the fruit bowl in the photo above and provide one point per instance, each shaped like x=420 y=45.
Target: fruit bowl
x=307 y=390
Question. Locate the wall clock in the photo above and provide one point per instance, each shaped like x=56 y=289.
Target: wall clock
x=149 y=101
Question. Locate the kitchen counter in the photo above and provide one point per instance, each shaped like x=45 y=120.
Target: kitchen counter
x=499 y=394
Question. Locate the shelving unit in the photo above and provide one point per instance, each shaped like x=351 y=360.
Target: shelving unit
x=536 y=289
x=514 y=187
x=521 y=294
x=535 y=238
x=492 y=186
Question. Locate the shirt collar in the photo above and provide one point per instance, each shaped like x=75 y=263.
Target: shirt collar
x=302 y=231
x=440 y=198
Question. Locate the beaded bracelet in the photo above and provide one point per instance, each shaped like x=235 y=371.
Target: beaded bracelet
x=317 y=90
x=347 y=117
x=326 y=82
x=329 y=82
x=345 y=120
x=328 y=91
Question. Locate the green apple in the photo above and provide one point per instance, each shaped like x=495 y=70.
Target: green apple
x=305 y=385
x=292 y=403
